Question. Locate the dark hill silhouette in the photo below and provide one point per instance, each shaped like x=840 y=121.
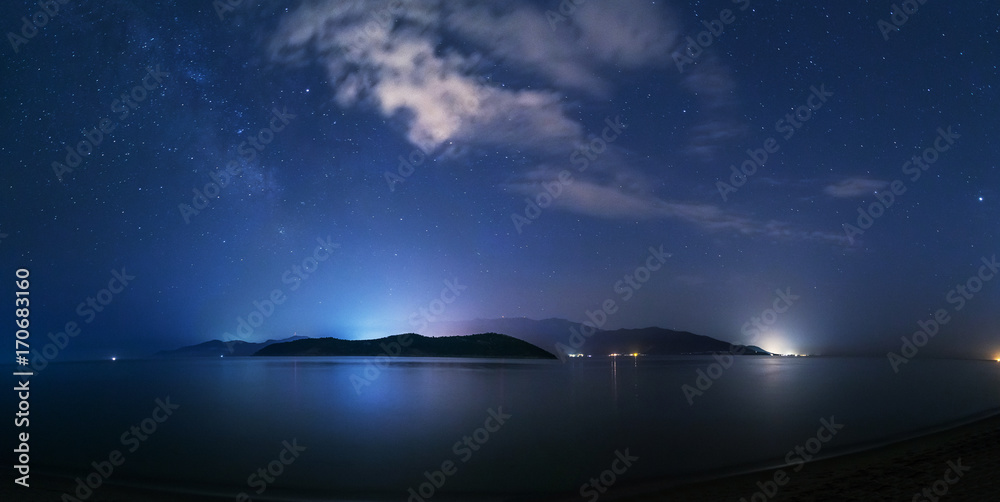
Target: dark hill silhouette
x=216 y=348
x=412 y=345
x=552 y=336
x=557 y=336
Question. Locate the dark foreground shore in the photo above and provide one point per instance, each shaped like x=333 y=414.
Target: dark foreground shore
x=961 y=464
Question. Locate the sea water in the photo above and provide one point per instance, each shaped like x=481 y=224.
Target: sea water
x=478 y=426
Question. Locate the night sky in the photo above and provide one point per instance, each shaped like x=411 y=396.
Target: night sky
x=603 y=115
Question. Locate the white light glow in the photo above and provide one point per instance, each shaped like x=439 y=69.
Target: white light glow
x=777 y=343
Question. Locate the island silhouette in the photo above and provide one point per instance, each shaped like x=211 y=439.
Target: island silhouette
x=521 y=338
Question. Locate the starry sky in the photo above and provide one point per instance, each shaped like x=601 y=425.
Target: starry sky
x=358 y=168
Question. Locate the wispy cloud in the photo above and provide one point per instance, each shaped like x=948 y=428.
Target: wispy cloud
x=419 y=64
x=612 y=200
x=717 y=127
x=626 y=34
x=397 y=63
x=854 y=187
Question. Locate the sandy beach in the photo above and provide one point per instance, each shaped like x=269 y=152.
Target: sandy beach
x=960 y=464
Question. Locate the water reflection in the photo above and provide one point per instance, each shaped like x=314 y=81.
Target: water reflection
x=564 y=417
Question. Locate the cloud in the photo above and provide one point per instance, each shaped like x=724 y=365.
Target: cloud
x=854 y=187
x=716 y=128
x=612 y=200
x=711 y=135
x=625 y=34
x=419 y=62
x=392 y=56
x=711 y=81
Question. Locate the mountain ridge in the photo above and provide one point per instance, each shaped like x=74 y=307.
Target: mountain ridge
x=217 y=348
x=564 y=337
x=489 y=345
x=552 y=335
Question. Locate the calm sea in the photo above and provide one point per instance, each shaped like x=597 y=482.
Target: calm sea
x=368 y=436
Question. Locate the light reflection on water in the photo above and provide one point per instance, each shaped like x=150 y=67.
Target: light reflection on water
x=567 y=419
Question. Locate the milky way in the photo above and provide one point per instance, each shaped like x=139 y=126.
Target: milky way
x=533 y=152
